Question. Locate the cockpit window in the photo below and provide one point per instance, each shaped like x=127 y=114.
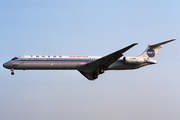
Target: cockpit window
x=15 y=58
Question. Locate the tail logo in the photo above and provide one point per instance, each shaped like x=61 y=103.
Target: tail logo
x=151 y=53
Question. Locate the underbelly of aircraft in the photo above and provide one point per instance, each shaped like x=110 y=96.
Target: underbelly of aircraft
x=67 y=66
x=47 y=66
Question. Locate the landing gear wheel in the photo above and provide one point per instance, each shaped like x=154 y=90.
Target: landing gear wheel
x=95 y=76
x=12 y=73
x=101 y=71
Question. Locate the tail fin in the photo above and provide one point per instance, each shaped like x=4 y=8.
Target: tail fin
x=153 y=49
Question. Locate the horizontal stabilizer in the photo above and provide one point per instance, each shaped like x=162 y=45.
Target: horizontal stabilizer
x=159 y=44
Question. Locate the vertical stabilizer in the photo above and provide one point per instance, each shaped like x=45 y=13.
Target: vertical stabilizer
x=153 y=49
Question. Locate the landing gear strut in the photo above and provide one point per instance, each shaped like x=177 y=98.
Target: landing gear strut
x=12 y=72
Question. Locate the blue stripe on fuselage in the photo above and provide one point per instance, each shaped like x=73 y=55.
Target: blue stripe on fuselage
x=56 y=60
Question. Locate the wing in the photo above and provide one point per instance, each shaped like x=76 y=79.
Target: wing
x=93 y=69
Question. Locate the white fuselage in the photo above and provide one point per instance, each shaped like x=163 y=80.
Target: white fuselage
x=89 y=66
x=38 y=62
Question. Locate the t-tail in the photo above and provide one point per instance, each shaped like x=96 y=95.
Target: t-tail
x=152 y=50
x=147 y=57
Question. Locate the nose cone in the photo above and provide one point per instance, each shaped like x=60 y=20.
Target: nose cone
x=6 y=65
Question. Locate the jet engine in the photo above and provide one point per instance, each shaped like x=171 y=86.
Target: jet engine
x=134 y=60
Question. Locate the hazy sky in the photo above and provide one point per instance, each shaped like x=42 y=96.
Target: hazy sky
x=94 y=27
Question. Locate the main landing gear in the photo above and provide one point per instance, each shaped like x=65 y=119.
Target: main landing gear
x=101 y=71
x=95 y=76
x=12 y=72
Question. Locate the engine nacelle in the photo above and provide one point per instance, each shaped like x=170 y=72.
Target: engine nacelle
x=134 y=60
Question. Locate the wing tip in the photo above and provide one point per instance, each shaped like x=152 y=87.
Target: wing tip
x=172 y=40
x=135 y=43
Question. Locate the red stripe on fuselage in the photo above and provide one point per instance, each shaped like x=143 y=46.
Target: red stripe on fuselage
x=46 y=62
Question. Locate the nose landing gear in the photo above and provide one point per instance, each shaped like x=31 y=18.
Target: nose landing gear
x=12 y=72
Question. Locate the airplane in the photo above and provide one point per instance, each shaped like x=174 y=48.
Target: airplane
x=89 y=66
